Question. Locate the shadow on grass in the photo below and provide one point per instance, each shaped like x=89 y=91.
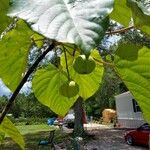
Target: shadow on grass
x=32 y=141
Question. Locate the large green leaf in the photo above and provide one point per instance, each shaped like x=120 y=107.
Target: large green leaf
x=46 y=86
x=8 y=128
x=2 y=136
x=88 y=83
x=4 y=19
x=14 y=49
x=81 y=22
x=141 y=14
x=121 y=12
x=134 y=69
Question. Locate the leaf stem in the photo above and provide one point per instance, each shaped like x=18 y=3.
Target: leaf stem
x=68 y=52
x=122 y=30
x=74 y=51
x=68 y=74
x=29 y=72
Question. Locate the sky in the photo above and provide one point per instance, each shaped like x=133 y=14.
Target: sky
x=6 y=91
x=3 y=89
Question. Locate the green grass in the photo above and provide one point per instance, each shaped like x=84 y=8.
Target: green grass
x=26 y=129
x=32 y=135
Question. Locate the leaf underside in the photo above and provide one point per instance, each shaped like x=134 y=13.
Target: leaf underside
x=79 y=22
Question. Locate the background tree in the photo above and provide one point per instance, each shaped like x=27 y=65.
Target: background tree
x=3 y=101
x=27 y=106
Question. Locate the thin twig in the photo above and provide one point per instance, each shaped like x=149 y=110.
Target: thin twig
x=29 y=72
x=68 y=52
x=122 y=30
x=74 y=51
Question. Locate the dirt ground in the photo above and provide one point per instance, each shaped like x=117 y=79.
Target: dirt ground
x=103 y=137
x=109 y=139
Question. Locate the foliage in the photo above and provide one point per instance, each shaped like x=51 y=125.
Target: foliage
x=141 y=14
x=29 y=107
x=5 y=20
x=86 y=89
x=13 y=43
x=76 y=28
x=134 y=69
x=121 y=12
x=3 y=101
x=29 y=121
x=8 y=128
x=47 y=91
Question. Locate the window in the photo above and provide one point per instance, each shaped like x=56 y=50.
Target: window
x=145 y=127
x=136 y=107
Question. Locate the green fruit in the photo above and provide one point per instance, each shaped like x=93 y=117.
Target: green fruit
x=69 y=89
x=84 y=65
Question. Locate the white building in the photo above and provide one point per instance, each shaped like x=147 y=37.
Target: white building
x=129 y=114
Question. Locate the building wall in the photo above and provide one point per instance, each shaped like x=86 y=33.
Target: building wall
x=126 y=114
x=130 y=123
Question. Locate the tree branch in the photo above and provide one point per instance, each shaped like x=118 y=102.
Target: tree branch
x=29 y=72
x=120 y=30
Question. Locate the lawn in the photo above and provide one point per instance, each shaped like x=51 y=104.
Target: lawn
x=32 y=135
x=26 y=129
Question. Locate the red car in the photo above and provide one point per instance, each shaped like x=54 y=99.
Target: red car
x=139 y=136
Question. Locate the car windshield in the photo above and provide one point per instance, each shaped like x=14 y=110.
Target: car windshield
x=145 y=127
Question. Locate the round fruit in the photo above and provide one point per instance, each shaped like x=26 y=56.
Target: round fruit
x=84 y=65
x=69 y=89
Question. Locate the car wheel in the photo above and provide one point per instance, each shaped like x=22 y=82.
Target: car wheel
x=129 y=140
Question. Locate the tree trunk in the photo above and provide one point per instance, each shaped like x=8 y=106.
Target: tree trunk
x=78 y=110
